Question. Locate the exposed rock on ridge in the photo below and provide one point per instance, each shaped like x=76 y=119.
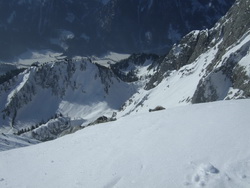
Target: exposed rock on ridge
x=226 y=34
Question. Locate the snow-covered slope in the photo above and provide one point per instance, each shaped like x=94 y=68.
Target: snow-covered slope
x=10 y=141
x=194 y=83
x=207 y=65
x=75 y=89
x=203 y=145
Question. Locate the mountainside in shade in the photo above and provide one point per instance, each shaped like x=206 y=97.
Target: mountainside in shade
x=202 y=145
x=52 y=99
x=87 y=27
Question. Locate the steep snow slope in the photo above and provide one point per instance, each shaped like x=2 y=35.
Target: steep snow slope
x=207 y=65
x=176 y=89
x=74 y=88
x=182 y=86
x=204 y=145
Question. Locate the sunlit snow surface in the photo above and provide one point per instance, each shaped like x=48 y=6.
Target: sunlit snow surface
x=205 y=145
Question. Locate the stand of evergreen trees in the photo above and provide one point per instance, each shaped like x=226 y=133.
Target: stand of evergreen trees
x=10 y=74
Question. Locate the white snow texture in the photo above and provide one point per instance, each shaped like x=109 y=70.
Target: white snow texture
x=205 y=145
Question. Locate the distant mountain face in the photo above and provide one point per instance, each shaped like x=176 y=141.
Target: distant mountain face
x=96 y=26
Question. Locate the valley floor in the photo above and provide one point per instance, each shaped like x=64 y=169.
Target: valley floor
x=203 y=145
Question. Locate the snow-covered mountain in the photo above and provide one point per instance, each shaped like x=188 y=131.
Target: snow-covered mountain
x=202 y=145
x=206 y=65
x=87 y=27
x=52 y=99
x=184 y=145
x=75 y=89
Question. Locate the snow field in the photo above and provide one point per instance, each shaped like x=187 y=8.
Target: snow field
x=205 y=145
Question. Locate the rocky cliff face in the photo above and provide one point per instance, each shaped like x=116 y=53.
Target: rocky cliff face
x=232 y=30
x=83 y=27
x=206 y=65
x=227 y=33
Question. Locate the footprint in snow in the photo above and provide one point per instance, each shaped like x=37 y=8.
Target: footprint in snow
x=203 y=174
